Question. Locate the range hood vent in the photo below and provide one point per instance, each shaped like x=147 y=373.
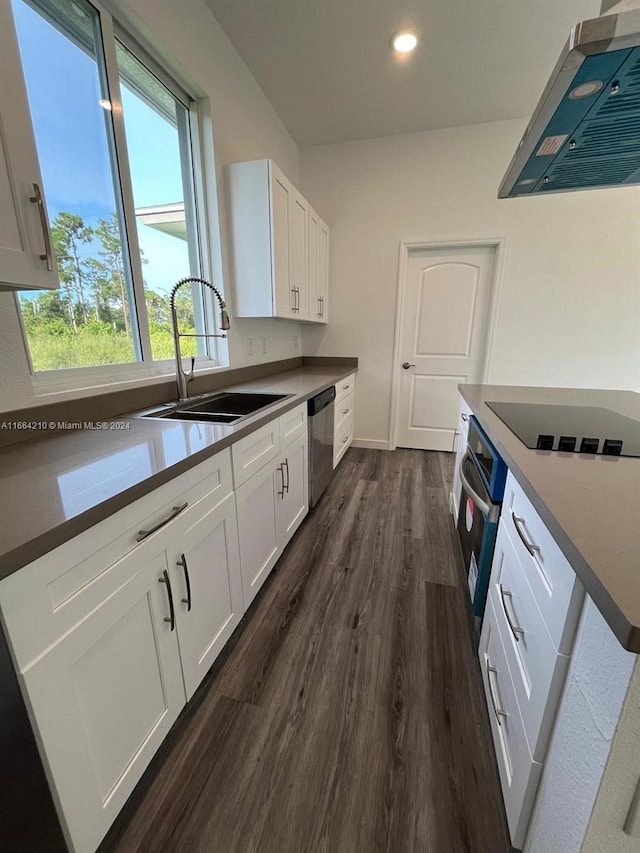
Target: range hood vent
x=585 y=132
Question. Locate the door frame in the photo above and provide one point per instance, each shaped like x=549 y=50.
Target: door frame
x=408 y=246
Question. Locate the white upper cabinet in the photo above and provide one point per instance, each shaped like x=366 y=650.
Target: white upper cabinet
x=279 y=246
x=318 y=268
x=300 y=255
x=26 y=252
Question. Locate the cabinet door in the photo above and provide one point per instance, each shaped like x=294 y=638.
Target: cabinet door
x=285 y=297
x=461 y=447
x=314 y=303
x=293 y=505
x=299 y=254
x=323 y=272
x=206 y=581
x=258 y=528
x=24 y=229
x=104 y=698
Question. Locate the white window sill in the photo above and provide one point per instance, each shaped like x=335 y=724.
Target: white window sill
x=51 y=386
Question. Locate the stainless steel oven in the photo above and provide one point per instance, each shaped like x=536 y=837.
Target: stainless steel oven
x=483 y=475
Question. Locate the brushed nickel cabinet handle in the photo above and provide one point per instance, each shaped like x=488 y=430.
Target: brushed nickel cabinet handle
x=497 y=711
x=286 y=465
x=183 y=562
x=281 y=492
x=165 y=580
x=319 y=306
x=531 y=548
x=515 y=630
x=142 y=534
x=36 y=198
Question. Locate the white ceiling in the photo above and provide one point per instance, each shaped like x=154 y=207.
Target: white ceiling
x=326 y=65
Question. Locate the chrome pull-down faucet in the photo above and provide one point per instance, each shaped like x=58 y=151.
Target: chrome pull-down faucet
x=182 y=376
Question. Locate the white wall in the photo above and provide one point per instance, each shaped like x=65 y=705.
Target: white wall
x=570 y=307
x=590 y=708
x=244 y=127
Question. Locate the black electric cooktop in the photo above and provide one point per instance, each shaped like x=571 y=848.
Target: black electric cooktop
x=574 y=429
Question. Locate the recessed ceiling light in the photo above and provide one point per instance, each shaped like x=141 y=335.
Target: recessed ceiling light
x=404 y=41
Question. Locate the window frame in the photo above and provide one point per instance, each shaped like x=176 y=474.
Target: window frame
x=215 y=357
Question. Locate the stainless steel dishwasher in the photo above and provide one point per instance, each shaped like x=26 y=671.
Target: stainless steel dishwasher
x=320 y=419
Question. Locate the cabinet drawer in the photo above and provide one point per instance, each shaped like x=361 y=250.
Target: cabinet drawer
x=556 y=589
x=345 y=386
x=537 y=670
x=519 y=773
x=44 y=600
x=252 y=452
x=293 y=424
x=343 y=409
x=342 y=438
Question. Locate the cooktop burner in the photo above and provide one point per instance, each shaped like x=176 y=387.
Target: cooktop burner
x=580 y=429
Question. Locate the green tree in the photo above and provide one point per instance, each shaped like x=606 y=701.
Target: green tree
x=69 y=234
x=108 y=232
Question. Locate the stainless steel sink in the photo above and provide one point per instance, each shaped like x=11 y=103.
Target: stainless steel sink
x=227 y=407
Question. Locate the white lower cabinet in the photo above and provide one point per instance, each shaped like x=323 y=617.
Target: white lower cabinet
x=207 y=588
x=258 y=529
x=519 y=773
x=294 y=502
x=112 y=632
x=272 y=503
x=343 y=417
x=461 y=435
x=527 y=636
x=104 y=698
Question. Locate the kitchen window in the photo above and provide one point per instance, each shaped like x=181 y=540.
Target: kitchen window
x=115 y=136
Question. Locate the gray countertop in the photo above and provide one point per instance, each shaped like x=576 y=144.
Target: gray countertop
x=52 y=489
x=591 y=504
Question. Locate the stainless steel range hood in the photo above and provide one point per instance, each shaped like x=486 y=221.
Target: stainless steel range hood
x=585 y=131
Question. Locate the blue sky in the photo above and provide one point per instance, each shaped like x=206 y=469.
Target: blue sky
x=69 y=125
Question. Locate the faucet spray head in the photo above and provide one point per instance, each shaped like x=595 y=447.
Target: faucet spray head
x=224 y=318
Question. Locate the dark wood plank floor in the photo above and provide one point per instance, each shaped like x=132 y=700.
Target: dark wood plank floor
x=349 y=716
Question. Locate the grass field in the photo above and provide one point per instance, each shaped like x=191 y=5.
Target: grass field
x=88 y=349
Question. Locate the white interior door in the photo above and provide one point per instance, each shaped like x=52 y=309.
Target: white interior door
x=443 y=340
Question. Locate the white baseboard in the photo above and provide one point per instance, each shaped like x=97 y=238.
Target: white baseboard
x=370 y=443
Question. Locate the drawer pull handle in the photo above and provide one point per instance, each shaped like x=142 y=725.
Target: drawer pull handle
x=532 y=549
x=515 y=630
x=183 y=562
x=497 y=711
x=36 y=198
x=165 y=580
x=286 y=486
x=143 y=534
x=281 y=492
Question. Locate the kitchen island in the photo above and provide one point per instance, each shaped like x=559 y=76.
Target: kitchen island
x=589 y=503
x=589 y=770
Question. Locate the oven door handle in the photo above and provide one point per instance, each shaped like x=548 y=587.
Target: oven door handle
x=491 y=510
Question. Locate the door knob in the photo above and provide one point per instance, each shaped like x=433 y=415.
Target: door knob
x=406 y=365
